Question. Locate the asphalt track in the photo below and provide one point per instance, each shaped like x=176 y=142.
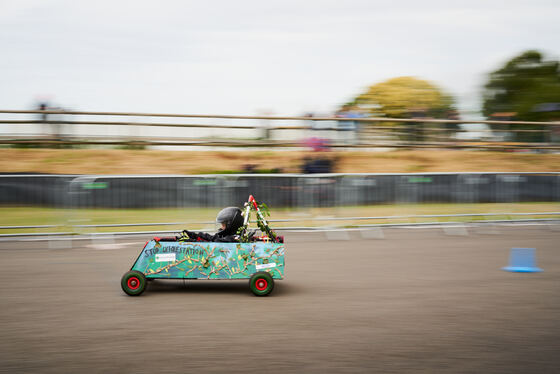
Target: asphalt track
x=416 y=301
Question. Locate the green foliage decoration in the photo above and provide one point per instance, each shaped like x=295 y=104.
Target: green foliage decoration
x=244 y=233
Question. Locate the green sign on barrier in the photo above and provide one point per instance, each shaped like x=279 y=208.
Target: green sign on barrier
x=419 y=180
x=205 y=182
x=95 y=186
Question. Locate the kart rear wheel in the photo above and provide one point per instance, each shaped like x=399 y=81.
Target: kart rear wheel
x=261 y=283
x=133 y=283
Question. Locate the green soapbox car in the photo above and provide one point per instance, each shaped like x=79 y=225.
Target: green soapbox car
x=258 y=259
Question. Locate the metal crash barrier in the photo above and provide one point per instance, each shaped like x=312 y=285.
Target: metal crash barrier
x=71 y=195
x=278 y=190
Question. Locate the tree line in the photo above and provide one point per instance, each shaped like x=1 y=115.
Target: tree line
x=526 y=88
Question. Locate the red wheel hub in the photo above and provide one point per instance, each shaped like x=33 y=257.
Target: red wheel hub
x=261 y=284
x=133 y=283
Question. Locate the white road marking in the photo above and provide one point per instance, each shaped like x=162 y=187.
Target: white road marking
x=110 y=246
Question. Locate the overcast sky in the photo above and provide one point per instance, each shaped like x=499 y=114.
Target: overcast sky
x=246 y=57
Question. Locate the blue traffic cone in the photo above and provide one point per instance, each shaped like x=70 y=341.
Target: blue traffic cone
x=522 y=260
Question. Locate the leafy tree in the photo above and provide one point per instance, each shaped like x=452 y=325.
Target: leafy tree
x=519 y=88
x=407 y=97
x=403 y=96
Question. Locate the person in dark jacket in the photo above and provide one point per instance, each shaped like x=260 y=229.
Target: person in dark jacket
x=230 y=220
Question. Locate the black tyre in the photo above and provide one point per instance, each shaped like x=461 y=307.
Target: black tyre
x=261 y=283
x=133 y=283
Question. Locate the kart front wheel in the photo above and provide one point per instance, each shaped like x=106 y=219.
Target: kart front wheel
x=261 y=283
x=133 y=283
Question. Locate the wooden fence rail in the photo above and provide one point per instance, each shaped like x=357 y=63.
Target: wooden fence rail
x=383 y=132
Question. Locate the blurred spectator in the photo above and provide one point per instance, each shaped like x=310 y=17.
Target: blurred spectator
x=553 y=112
x=416 y=129
x=451 y=128
x=42 y=107
x=317 y=144
x=249 y=168
x=348 y=129
x=502 y=131
x=265 y=124
x=317 y=165
x=51 y=124
x=310 y=123
x=319 y=162
x=43 y=117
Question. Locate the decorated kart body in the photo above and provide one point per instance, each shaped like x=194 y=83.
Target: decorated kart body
x=260 y=260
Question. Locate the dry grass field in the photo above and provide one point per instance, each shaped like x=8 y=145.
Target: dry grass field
x=113 y=161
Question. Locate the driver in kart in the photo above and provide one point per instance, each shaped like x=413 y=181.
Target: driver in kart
x=229 y=220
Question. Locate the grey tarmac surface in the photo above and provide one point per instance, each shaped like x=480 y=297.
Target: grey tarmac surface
x=416 y=301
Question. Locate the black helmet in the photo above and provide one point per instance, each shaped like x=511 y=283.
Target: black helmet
x=232 y=217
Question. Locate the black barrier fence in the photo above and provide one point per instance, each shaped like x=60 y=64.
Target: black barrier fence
x=290 y=191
